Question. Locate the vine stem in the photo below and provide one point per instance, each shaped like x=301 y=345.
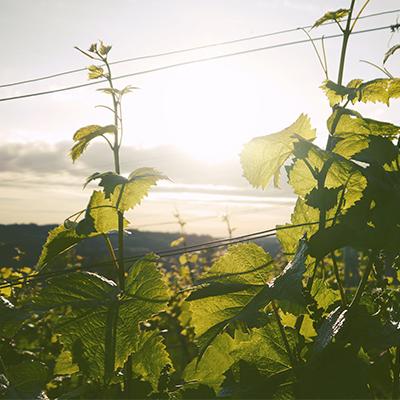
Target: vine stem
x=396 y=375
x=3 y=367
x=339 y=282
x=116 y=147
x=363 y=281
x=283 y=334
x=346 y=36
x=111 y=251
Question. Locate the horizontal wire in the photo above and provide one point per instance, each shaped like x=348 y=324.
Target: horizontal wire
x=172 y=253
x=185 y=50
x=195 y=61
x=165 y=253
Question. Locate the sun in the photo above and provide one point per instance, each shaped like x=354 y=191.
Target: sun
x=207 y=110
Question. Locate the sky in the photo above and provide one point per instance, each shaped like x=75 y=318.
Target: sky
x=189 y=122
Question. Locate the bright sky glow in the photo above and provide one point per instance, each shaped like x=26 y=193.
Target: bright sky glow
x=191 y=121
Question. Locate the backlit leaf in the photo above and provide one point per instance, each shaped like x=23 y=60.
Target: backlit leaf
x=369 y=149
x=265 y=349
x=237 y=289
x=100 y=217
x=263 y=156
x=83 y=136
x=342 y=173
x=59 y=240
x=332 y=16
x=95 y=71
x=334 y=92
x=349 y=122
x=212 y=366
x=102 y=328
x=128 y=195
x=377 y=90
x=305 y=216
x=150 y=357
x=324 y=295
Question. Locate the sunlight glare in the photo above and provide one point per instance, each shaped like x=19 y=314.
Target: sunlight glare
x=208 y=106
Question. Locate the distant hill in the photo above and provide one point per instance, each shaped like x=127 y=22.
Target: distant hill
x=20 y=244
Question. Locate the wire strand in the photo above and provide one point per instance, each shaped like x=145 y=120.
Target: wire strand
x=170 y=253
x=195 y=61
x=185 y=50
x=163 y=253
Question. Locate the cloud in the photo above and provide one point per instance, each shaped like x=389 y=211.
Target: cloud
x=39 y=164
x=41 y=159
x=42 y=185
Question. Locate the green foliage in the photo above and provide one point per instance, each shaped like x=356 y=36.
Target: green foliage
x=102 y=328
x=60 y=239
x=27 y=379
x=85 y=135
x=150 y=357
x=377 y=90
x=237 y=289
x=100 y=217
x=265 y=349
x=126 y=193
x=263 y=156
x=312 y=164
x=217 y=359
x=332 y=16
x=95 y=72
x=248 y=326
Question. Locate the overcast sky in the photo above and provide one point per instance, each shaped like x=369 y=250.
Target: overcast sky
x=191 y=122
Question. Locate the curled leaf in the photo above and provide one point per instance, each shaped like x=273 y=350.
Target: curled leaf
x=390 y=52
x=332 y=16
x=83 y=136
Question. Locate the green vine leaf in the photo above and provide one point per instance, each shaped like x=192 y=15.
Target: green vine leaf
x=64 y=364
x=342 y=174
x=332 y=16
x=348 y=122
x=237 y=289
x=28 y=379
x=334 y=92
x=83 y=136
x=102 y=328
x=378 y=90
x=263 y=156
x=265 y=349
x=305 y=216
x=323 y=198
x=126 y=193
x=150 y=357
x=325 y=296
x=330 y=328
x=11 y=318
x=95 y=72
x=59 y=240
x=100 y=217
x=215 y=362
x=368 y=149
